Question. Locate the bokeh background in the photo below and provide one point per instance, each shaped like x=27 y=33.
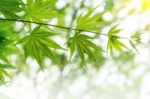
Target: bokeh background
x=118 y=77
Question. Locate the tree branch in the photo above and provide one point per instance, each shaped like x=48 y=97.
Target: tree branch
x=40 y=23
x=63 y=27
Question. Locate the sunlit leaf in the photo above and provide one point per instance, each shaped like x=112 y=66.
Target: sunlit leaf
x=38 y=45
x=113 y=41
x=9 y=8
x=37 y=10
x=83 y=45
x=89 y=21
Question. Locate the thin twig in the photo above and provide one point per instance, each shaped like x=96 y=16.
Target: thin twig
x=74 y=17
x=40 y=23
x=63 y=27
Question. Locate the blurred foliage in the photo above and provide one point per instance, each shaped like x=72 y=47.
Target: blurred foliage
x=145 y=4
x=43 y=31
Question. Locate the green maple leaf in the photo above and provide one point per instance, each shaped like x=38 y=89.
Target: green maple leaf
x=135 y=38
x=38 y=45
x=4 y=72
x=7 y=39
x=113 y=41
x=9 y=8
x=7 y=48
x=83 y=45
x=89 y=21
x=37 y=10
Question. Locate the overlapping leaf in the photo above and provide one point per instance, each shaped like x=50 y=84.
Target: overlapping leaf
x=113 y=40
x=4 y=73
x=135 y=38
x=108 y=4
x=100 y=60
x=9 y=8
x=6 y=41
x=6 y=49
x=38 y=45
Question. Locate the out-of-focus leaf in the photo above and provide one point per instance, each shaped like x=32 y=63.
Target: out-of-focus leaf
x=9 y=8
x=7 y=40
x=137 y=37
x=4 y=72
x=109 y=4
x=133 y=45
